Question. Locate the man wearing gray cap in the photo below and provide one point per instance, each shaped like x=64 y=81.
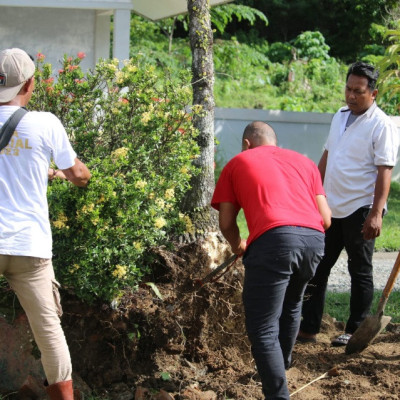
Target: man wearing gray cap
x=25 y=235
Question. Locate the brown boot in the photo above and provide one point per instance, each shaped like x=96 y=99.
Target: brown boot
x=60 y=391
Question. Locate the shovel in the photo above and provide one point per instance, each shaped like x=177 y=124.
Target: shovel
x=374 y=324
x=211 y=277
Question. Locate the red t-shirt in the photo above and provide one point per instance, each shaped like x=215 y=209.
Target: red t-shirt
x=274 y=186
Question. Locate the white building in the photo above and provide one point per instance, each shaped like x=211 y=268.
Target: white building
x=58 y=27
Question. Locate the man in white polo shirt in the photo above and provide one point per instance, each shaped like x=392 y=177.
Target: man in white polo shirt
x=356 y=169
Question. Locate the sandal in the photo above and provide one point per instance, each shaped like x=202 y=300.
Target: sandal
x=341 y=340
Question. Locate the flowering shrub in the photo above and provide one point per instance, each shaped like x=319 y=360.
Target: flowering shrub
x=131 y=127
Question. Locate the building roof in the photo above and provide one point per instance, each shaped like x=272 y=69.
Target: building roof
x=152 y=9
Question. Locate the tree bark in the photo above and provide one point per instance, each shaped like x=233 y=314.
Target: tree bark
x=197 y=201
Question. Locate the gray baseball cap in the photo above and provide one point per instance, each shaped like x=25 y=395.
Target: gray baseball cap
x=16 y=67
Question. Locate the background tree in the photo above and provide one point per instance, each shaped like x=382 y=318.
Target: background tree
x=389 y=66
x=344 y=23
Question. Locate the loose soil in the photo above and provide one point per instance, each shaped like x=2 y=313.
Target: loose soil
x=192 y=343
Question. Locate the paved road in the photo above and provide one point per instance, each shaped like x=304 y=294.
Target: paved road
x=339 y=279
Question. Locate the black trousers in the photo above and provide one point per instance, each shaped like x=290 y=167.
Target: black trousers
x=343 y=233
x=278 y=266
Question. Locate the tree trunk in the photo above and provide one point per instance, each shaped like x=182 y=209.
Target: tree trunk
x=197 y=201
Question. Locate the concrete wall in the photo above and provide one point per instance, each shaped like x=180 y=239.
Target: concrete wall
x=55 y=32
x=305 y=132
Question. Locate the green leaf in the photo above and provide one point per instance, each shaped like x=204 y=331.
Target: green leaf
x=165 y=376
x=153 y=286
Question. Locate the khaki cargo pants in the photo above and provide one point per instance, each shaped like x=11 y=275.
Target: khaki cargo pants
x=34 y=283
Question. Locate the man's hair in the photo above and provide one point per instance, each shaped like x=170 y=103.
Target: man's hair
x=368 y=71
x=259 y=133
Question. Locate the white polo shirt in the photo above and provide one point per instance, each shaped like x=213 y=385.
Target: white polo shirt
x=353 y=156
x=24 y=216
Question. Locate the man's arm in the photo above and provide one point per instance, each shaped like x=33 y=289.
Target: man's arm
x=373 y=223
x=78 y=174
x=324 y=210
x=229 y=227
x=322 y=164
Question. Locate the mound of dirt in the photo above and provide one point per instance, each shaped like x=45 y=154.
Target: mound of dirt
x=191 y=344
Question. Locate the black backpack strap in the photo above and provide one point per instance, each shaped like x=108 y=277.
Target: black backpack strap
x=9 y=126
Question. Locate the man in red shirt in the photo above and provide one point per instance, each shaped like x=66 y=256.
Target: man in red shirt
x=286 y=211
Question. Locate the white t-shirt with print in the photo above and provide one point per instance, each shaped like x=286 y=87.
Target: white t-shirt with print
x=24 y=217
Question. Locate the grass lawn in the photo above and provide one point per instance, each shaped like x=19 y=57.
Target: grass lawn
x=390 y=237
x=337 y=305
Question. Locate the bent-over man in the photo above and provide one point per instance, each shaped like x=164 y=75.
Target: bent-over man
x=284 y=203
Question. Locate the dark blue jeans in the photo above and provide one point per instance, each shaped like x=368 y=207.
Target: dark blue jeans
x=278 y=266
x=343 y=233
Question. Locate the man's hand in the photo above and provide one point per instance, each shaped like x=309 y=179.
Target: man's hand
x=78 y=174
x=239 y=250
x=372 y=225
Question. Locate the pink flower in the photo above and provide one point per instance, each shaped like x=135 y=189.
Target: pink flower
x=49 y=81
x=124 y=101
x=81 y=55
x=40 y=57
x=72 y=67
x=60 y=71
x=79 y=80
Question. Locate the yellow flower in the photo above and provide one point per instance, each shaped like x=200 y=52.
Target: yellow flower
x=131 y=68
x=59 y=224
x=137 y=246
x=74 y=268
x=112 y=67
x=188 y=223
x=101 y=199
x=140 y=184
x=119 y=77
x=145 y=118
x=184 y=170
x=61 y=221
x=119 y=271
x=119 y=153
x=151 y=195
x=160 y=203
x=170 y=194
x=160 y=222
x=87 y=208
